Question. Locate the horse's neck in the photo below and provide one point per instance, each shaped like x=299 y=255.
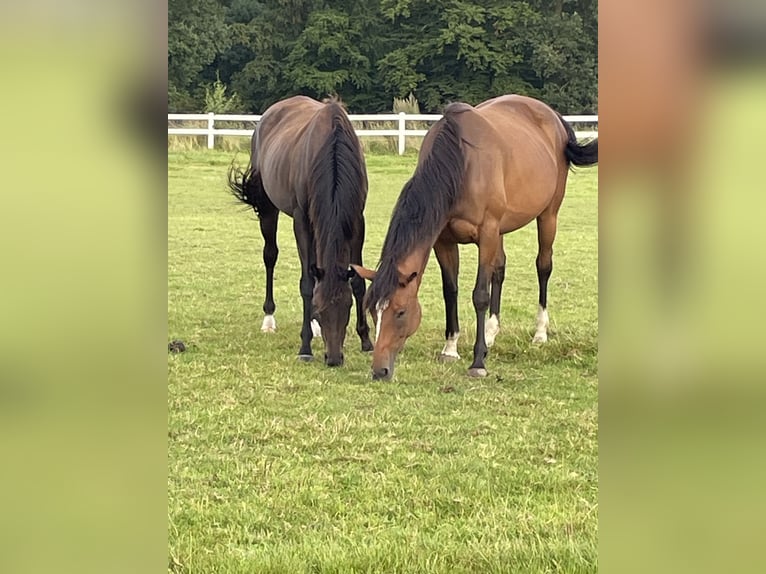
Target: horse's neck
x=327 y=256
x=415 y=261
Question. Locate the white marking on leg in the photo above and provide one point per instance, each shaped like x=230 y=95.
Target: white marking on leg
x=450 y=347
x=541 y=331
x=316 y=328
x=269 y=324
x=491 y=329
x=380 y=307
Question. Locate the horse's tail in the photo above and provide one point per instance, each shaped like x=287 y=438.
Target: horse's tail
x=576 y=154
x=337 y=184
x=247 y=187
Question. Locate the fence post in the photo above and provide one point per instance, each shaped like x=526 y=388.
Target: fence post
x=210 y=134
x=401 y=133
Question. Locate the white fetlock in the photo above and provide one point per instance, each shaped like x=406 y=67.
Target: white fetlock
x=450 y=347
x=541 y=329
x=491 y=329
x=269 y=324
x=540 y=338
x=316 y=329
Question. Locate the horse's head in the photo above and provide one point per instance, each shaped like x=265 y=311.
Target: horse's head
x=332 y=307
x=397 y=316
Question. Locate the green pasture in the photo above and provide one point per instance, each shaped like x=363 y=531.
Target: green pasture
x=278 y=466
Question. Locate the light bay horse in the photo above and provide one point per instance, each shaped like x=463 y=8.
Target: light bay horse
x=482 y=172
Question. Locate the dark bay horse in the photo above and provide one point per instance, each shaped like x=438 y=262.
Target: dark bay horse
x=482 y=172
x=306 y=161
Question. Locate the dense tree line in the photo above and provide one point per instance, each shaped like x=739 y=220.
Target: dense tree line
x=370 y=51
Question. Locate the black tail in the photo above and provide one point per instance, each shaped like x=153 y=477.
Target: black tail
x=338 y=186
x=576 y=154
x=247 y=187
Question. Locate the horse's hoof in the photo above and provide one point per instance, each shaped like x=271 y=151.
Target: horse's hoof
x=474 y=372
x=269 y=325
x=540 y=338
x=306 y=358
x=448 y=358
x=367 y=346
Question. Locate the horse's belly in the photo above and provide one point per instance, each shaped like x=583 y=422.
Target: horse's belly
x=513 y=221
x=279 y=193
x=525 y=202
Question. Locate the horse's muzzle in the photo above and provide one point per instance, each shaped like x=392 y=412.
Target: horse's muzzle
x=384 y=371
x=333 y=361
x=383 y=374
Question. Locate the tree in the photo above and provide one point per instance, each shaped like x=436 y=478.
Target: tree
x=196 y=35
x=218 y=102
x=370 y=51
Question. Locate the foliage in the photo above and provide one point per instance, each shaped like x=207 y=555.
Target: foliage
x=197 y=34
x=370 y=51
x=280 y=466
x=218 y=102
x=408 y=105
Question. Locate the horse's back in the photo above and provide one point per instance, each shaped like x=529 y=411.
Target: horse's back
x=521 y=119
x=515 y=160
x=282 y=123
x=276 y=147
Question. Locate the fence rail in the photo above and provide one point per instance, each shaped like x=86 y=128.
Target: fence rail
x=401 y=132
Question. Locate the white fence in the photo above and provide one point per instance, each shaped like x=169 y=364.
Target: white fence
x=401 y=132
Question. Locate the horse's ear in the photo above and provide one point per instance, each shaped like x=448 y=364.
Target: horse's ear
x=364 y=273
x=316 y=272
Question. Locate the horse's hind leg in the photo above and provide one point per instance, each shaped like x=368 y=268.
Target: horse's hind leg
x=492 y=327
x=546 y=233
x=448 y=256
x=358 y=287
x=269 y=218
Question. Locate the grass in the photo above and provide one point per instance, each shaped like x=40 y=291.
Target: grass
x=284 y=467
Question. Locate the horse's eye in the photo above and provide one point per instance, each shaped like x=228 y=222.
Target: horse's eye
x=400 y=313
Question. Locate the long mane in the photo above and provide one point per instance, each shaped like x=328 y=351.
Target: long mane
x=424 y=203
x=337 y=196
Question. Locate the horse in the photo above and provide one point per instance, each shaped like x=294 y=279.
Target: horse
x=307 y=162
x=482 y=172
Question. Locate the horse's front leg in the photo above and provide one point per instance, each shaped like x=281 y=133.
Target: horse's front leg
x=448 y=256
x=358 y=287
x=304 y=240
x=489 y=244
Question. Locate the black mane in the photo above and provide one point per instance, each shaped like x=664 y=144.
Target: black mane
x=424 y=203
x=338 y=193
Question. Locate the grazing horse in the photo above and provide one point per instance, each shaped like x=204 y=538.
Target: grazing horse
x=482 y=172
x=306 y=161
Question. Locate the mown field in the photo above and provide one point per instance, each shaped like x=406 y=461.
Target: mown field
x=285 y=467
